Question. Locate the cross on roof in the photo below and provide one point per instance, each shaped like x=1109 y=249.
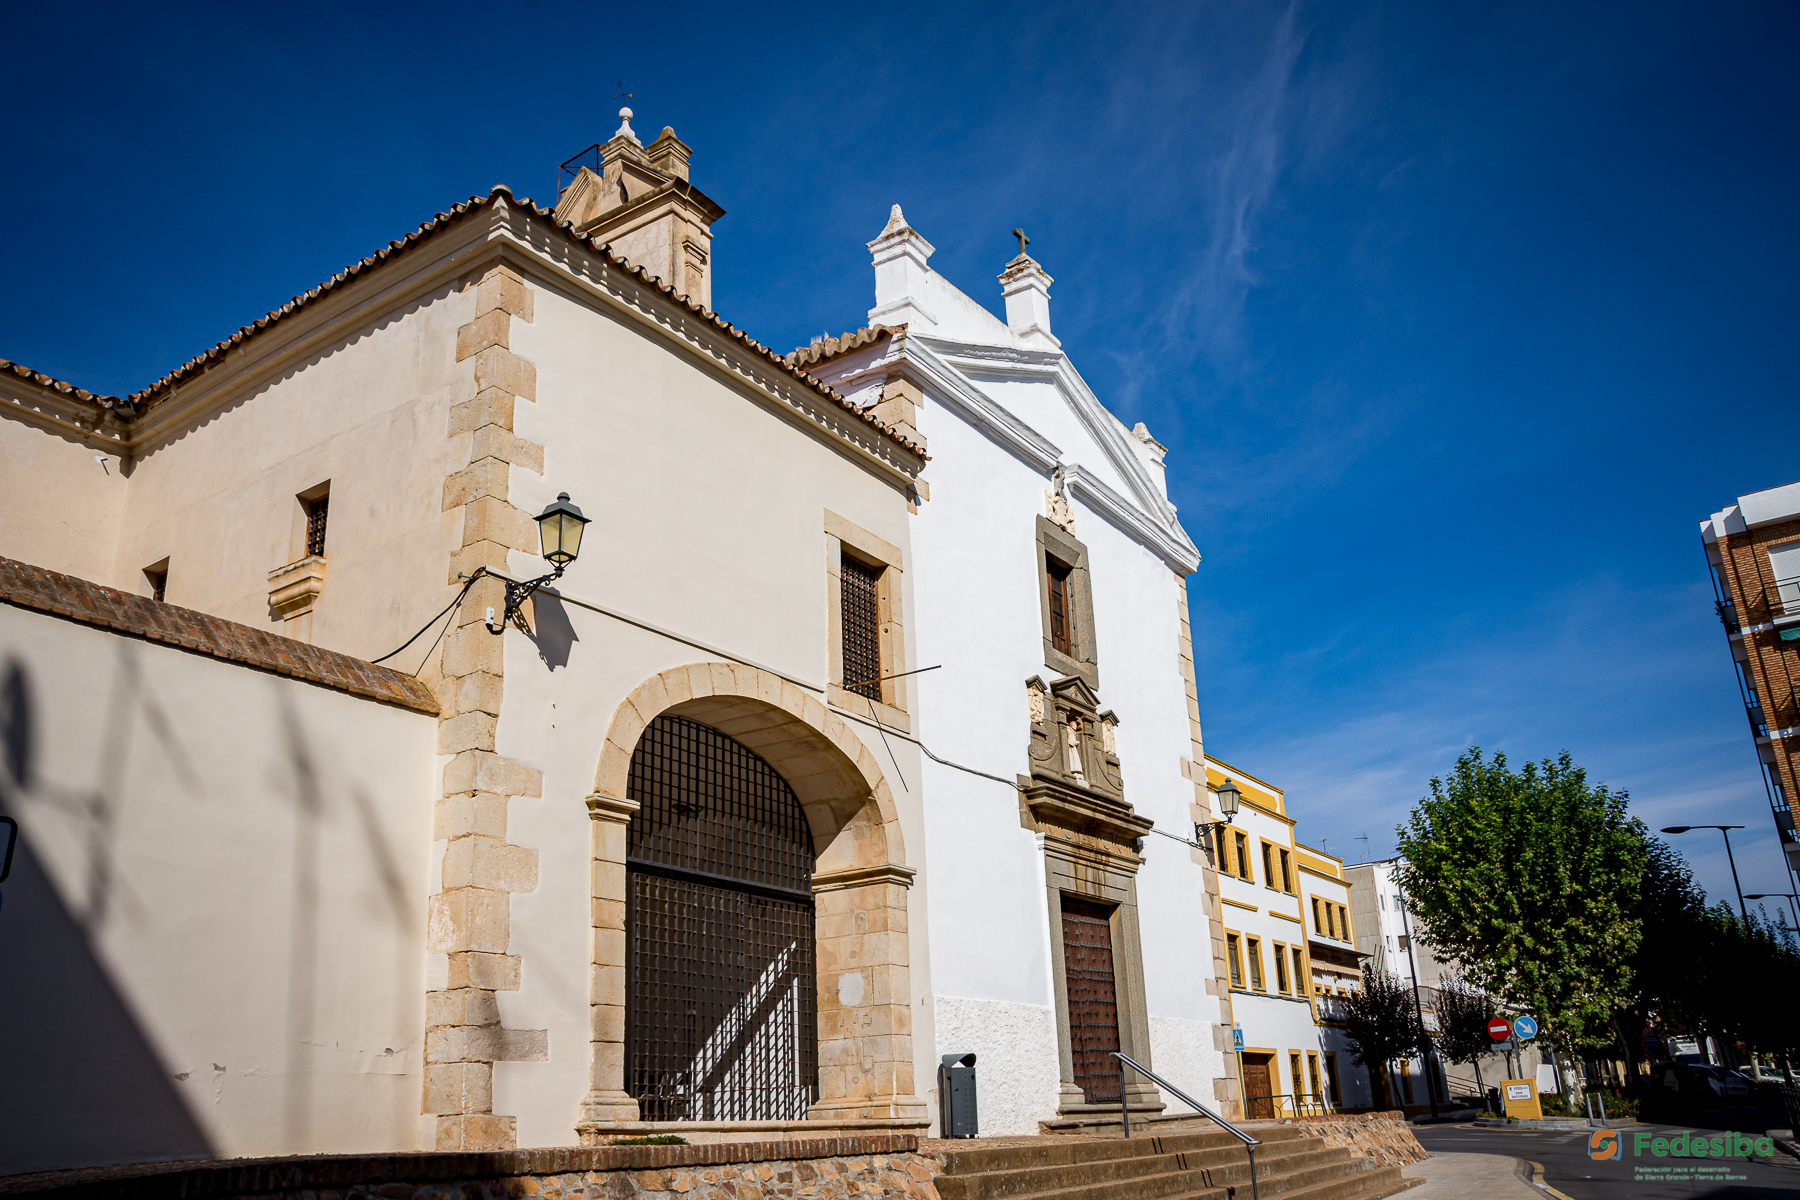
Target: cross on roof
x=1023 y=241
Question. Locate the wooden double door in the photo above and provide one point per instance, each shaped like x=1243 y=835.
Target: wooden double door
x=1093 y=998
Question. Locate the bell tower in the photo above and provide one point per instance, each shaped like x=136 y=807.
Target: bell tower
x=637 y=200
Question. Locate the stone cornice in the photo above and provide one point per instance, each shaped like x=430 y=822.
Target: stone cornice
x=860 y=877
x=61 y=413
x=617 y=809
x=1079 y=809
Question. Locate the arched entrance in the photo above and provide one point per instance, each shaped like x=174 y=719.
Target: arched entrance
x=859 y=885
x=721 y=1018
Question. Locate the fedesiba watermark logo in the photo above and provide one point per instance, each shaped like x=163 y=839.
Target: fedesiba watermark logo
x=1608 y=1145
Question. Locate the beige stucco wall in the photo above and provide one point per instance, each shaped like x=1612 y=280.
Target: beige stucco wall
x=708 y=521
x=213 y=933
x=60 y=506
x=369 y=414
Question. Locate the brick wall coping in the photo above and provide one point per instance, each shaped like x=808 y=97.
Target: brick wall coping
x=369 y=1172
x=26 y=586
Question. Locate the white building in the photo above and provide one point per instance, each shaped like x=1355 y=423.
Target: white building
x=1384 y=933
x=1049 y=585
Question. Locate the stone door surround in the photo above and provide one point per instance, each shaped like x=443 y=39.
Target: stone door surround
x=860 y=887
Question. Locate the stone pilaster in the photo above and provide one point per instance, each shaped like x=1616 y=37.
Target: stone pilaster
x=1225 y=1090
x=471 y=916
x=607 y=1099
x=865 y=1006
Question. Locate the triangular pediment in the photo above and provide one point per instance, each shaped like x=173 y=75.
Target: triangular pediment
x=1074 y=690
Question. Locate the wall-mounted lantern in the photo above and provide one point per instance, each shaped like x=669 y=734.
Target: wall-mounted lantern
x=559 y=534
x=1229 y=799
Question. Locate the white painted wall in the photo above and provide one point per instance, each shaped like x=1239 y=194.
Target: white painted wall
x=213 y=934
x=977 y=613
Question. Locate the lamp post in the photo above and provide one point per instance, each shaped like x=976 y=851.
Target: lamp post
x=1726 y=830
x=559 y=536
x=1790 y=897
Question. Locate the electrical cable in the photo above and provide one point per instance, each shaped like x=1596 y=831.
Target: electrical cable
x=479 y=572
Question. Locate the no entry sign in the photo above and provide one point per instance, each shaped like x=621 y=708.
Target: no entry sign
x=1499 y=1029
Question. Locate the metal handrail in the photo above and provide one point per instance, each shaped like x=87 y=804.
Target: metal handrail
x=1250 y=1143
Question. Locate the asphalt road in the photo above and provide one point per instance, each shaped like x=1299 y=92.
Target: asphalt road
x=1568 y=1168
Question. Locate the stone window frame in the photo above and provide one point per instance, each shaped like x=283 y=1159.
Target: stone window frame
x=1056 y=543
x=842 y=536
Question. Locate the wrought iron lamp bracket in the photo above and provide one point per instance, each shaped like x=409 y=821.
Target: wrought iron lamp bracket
x=517 y=592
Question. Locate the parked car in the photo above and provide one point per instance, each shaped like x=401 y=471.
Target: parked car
x=1701 y=1083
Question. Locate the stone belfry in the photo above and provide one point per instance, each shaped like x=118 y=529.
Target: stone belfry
x=642 y=206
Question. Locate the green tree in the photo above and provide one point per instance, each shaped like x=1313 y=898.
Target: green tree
x=1528 y=881
x=1463 y=1013
x=1381 y=1024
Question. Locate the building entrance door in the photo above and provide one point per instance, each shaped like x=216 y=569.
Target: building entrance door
x=721 y=1020
x=1259 y=1090
x=1093 y=998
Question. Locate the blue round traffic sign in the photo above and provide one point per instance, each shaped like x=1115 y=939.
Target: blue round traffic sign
x=1525 y=1028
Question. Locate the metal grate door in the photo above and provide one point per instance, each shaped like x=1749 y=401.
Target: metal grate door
x=1093 y=1003
x=721 y=1021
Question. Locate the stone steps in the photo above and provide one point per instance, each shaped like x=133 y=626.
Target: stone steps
x=1196 y=1165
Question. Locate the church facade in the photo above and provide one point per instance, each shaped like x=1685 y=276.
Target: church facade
x=814 y=764
x=1072 y=910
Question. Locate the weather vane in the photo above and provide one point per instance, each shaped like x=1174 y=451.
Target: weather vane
x=622 y=94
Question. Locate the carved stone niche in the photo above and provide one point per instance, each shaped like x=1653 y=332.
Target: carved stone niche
x=1072 y=741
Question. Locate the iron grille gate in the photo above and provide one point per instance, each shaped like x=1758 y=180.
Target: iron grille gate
x=721 y=1020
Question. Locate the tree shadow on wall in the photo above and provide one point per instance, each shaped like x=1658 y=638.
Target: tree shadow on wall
x=79 y=1069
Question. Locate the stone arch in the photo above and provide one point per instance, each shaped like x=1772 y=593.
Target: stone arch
x=860 y=886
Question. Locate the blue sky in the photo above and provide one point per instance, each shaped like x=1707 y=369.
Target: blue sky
x=1455 y=318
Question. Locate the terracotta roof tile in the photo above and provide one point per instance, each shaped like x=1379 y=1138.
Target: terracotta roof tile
x=830 y=347
x=75 y=599
x=67 y=389
x=457 y=212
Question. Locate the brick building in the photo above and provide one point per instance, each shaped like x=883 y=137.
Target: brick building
x=1753 y=548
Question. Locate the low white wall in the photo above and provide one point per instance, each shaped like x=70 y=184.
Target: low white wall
x=213 y=933
x=1016 y=1072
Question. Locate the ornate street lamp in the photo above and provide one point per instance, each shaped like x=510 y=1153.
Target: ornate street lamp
x=1229 y=798
x=559 y=534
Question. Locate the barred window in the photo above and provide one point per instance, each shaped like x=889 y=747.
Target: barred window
x=862 y=628
x=315 y=525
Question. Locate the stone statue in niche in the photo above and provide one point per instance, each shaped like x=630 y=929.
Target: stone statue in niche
x=1071 y=741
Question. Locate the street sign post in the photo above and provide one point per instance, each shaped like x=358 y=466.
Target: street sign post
x=1498 y=1029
